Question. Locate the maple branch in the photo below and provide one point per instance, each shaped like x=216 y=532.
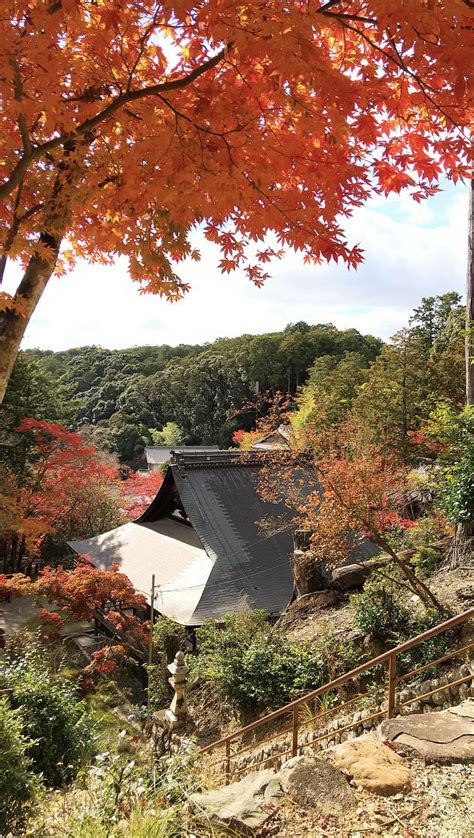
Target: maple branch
x=377 y=537
x=328 y=5
x=22 y=125
x=347 y=16
x=399 y=62
x=88 y=125
x=10 y=238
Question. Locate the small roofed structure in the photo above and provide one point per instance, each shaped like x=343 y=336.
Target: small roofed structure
x=202 y=539
x=157 y=455
x=274 y=440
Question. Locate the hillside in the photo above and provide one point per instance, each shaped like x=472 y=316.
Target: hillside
x=121 y=394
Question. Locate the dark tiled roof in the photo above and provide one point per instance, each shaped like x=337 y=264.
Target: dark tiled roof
x=217 y=494
x=251 y=570
x=159 y=454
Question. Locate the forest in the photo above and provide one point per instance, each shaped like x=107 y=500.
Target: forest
x=74 y=424
x=117 y=396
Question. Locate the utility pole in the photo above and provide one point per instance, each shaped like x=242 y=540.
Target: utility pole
x=150 y=644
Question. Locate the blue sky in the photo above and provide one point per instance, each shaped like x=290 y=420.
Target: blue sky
x=411 y=250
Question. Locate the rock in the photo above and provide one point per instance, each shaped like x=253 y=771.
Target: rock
x=243 y=806
x=352 y=575
x=372 y=765
x=466 y=593
x=443 y=737
x=316 y=784
x=463 y=692
x=465 y=709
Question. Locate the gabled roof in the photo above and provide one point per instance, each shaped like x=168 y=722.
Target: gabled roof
x=279 y=438
x=159 y=454
x=202 y=538
x=220 y=498
x=167 y=548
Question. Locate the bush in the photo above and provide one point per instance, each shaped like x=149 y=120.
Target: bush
x=17 y=781
x=378 y=611
x=426 y=560
x=168 y=638
x=54 y=719
x=59 y=725
x=255 y=667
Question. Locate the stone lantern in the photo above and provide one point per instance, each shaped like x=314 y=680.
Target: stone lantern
x=175 y=715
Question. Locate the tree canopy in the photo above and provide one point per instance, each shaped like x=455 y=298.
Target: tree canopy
x=124 y=127
x=122 y=398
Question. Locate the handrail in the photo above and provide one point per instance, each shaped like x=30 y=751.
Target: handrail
x=390 y=656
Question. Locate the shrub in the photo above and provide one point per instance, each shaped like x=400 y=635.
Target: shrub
x=53 y=717
x=17 y=781
x=168 y=638
x=379 y=612
x=59 y=725
x=254 y=666
x=426 y=560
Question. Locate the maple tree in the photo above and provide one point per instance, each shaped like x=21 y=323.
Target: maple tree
x=342 y=493
x=125 y=126
x=66 y=490
x=80 y=592
x=138 y=491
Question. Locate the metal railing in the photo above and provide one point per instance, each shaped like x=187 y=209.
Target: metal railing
x=288 y=737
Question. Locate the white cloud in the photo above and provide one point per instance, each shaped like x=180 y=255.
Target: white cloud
x=410 y=251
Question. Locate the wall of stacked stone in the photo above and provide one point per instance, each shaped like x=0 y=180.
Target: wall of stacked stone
x=331 y=734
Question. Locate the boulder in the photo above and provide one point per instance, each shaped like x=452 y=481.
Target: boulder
x=349 y=576
x=244 y=806
x=444 y=737
x=316 y=784
x=372 y=765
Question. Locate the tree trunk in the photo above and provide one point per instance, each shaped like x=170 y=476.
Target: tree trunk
x=417 y=586
x=463 y=541
x=12 y=323
x=57 y=216
x=470 y=301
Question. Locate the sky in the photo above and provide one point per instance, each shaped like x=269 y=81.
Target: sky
x=411 y=251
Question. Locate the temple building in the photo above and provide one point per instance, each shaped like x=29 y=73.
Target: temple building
x=202 y=538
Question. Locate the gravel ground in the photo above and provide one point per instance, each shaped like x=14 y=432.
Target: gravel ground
x=439 y=805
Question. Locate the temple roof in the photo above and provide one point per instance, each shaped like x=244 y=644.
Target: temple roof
x=159 y=454
x=202 y=537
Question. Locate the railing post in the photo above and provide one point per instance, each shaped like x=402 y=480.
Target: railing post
x=294 y=737
x=392 y=682
x=227 y=762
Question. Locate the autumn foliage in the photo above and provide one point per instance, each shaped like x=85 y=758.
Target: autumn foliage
x=78 y=593
x=138 y=491
x=124 y=127
x=67 y=490
x=348 y=492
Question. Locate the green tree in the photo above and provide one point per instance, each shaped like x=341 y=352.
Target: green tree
x=170 y=435
x=429 y=319
x=393 y=401
x=31 y=391
x=455 y=431
x=332 y=385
